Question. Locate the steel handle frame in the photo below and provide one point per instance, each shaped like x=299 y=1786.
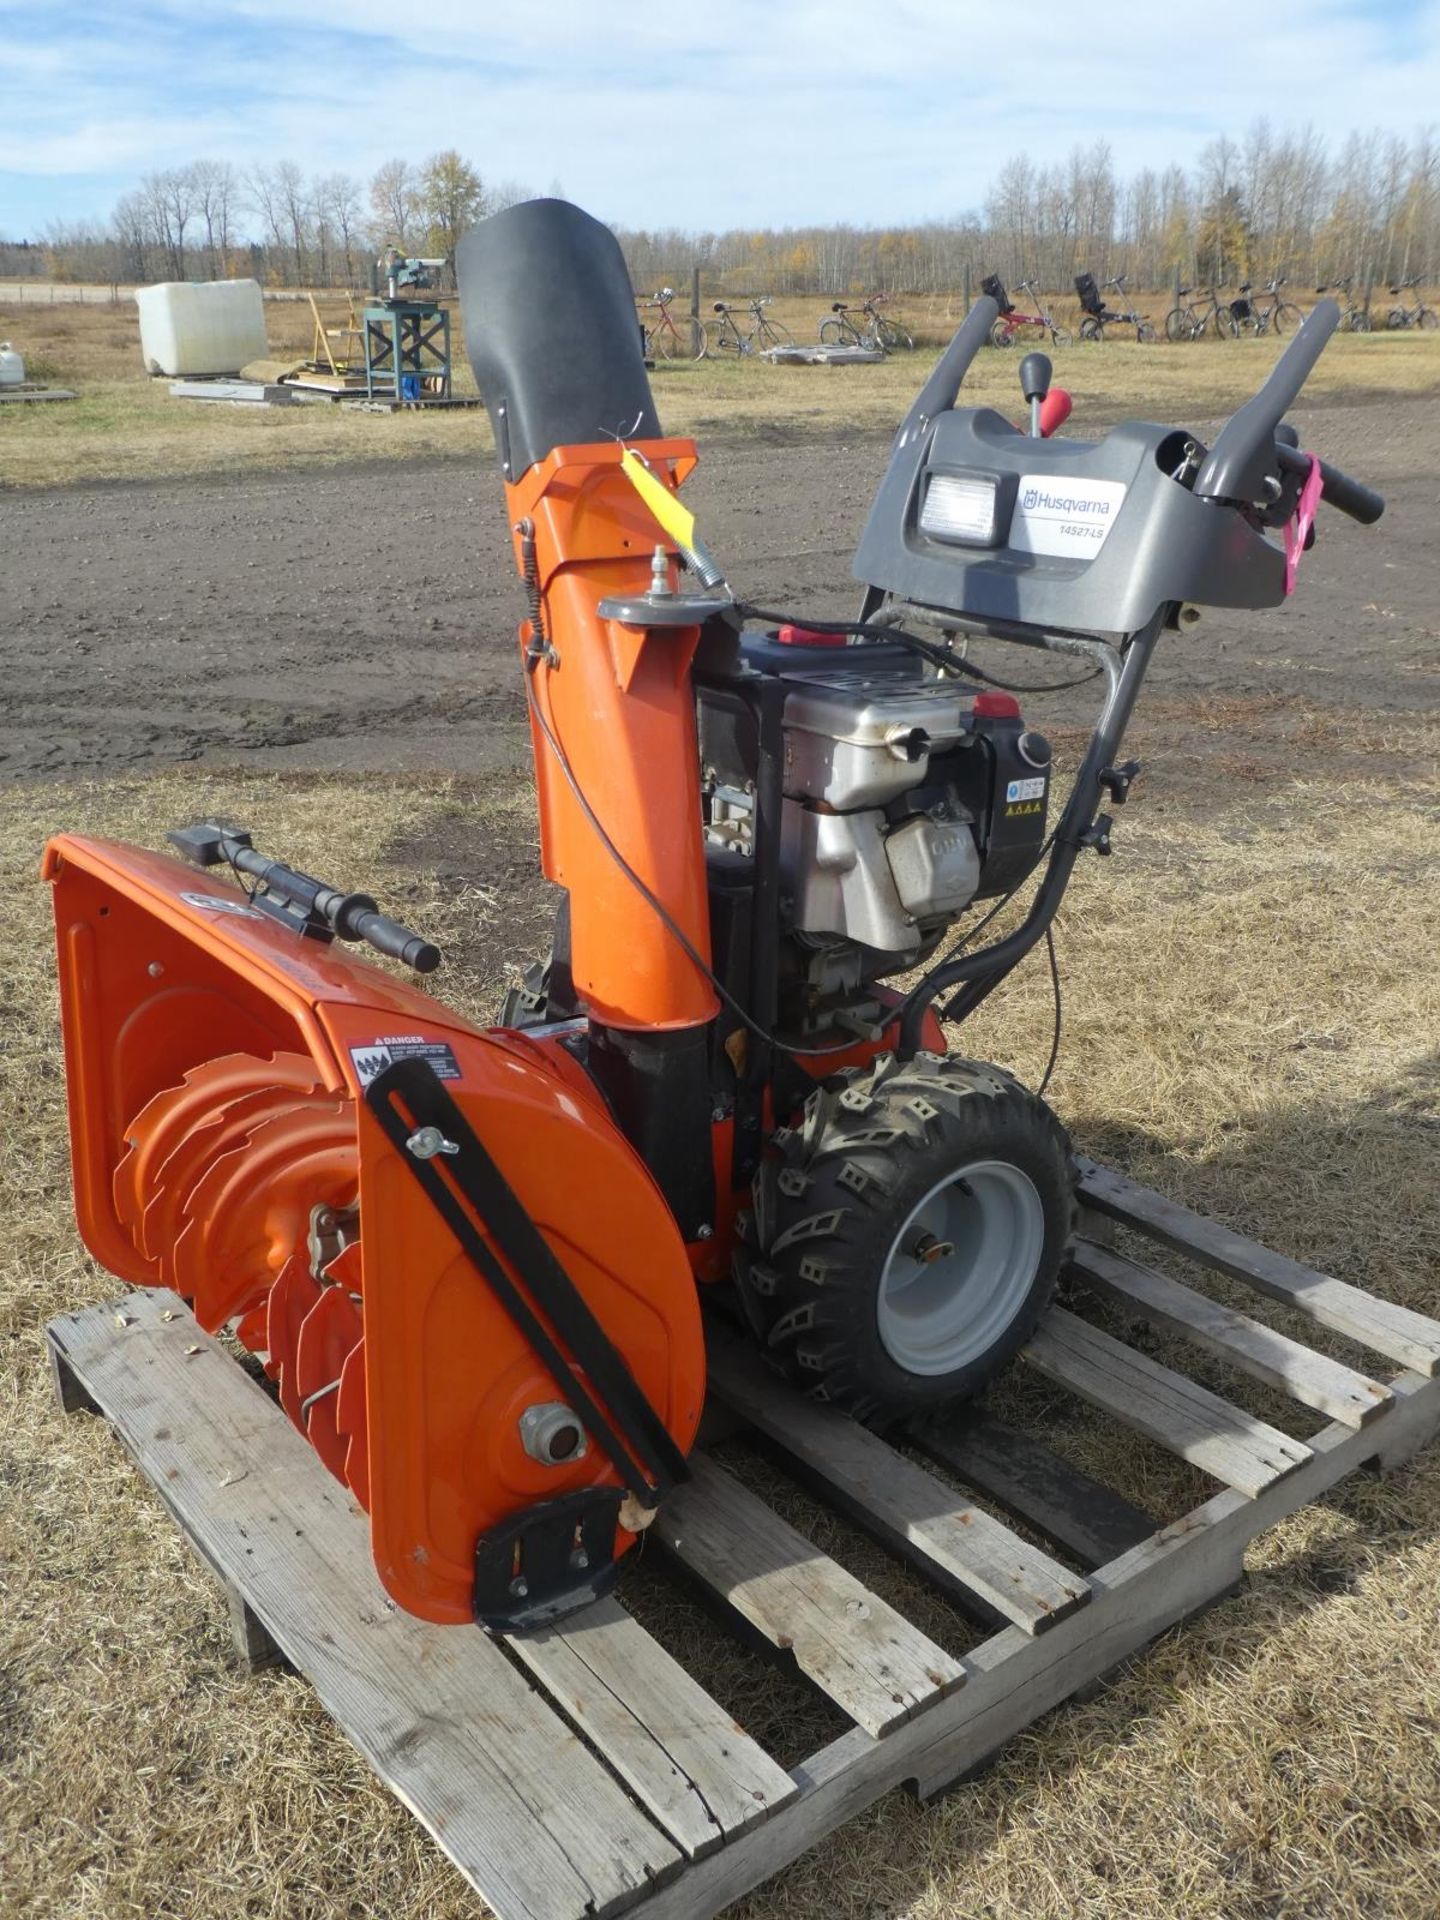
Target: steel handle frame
x=981 y=972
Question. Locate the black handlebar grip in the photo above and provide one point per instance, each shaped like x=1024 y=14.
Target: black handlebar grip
x=1362 y=503
x=1337 y=489
x=387 y=936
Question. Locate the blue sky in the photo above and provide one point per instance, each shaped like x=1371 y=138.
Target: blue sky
x=730 y=112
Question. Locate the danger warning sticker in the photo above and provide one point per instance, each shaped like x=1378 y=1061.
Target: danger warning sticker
x=370 y=1061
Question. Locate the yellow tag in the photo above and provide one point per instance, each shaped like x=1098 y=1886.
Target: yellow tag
x=674 y=519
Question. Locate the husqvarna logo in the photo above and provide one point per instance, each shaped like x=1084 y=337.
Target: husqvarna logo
x=1042 y=500
x=1067 y=517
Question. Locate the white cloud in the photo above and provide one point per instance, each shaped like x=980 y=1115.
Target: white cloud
x=754 y=113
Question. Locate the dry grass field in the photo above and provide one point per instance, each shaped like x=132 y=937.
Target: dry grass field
x=1251 y=1024
x=125 y=425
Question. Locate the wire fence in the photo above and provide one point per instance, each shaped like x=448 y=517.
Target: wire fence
x=57 y=293
x=62 y=293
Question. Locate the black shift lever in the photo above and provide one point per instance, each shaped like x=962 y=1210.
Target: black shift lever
x=1035 y=376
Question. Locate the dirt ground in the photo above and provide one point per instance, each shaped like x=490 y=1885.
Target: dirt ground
x=362 y=618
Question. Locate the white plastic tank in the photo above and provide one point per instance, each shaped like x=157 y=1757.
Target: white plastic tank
x=12 y=367
x=194 y=327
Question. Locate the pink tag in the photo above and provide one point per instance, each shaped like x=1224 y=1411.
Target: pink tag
x=1297 y=530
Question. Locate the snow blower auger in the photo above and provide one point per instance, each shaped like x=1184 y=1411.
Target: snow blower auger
x=472 y=1259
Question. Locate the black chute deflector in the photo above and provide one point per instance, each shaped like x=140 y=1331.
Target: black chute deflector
x=552 y=332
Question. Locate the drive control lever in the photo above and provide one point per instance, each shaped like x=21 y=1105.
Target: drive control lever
x=1035 y=376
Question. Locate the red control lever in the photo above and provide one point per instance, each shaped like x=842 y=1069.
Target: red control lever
x=1054 y=411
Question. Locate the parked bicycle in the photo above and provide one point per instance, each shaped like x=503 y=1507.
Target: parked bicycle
x=1188 y=321
x=1355 y=318
x=1011 y=320
x=864 y=326
x=1096 y=316
x=665 y=340
x=1281 y=316
x=1407 y=316
x=763 y=332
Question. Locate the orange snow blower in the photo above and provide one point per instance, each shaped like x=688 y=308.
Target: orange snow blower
x=472 y=1259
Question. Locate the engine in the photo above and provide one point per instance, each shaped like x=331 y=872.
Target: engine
x=906 y=797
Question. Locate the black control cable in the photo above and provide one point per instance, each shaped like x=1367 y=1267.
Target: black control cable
x=937 y=655
x=656 y=906
x=1059 y=1012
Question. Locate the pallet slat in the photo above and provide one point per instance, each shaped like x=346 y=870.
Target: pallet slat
x=526 y=1813
x=1077 y=1512
x=699 y=1773
x=1221 y=1439
x=868 y=1658
x=1309 y=1377
x=1411 y=1339
x=930 y=1522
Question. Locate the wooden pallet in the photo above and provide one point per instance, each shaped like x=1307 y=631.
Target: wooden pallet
x=823 y=356
x=233 y=393
x=582 y=1771
x=17 y=396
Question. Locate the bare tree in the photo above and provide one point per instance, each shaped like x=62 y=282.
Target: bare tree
x=169 y=202
x=509 y=193
x=394 y=204
x=265 y=196
x=337 y=203
x=216 y=190
x=1009 y=212
x=294 y=200
x=131 y=225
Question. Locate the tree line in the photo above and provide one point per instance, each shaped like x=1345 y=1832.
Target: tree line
x=1268 y=203
x=211 y=221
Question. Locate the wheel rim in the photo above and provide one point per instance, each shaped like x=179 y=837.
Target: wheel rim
x=938 y=1314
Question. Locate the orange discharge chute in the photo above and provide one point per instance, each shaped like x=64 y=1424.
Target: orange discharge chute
x=222 y=1147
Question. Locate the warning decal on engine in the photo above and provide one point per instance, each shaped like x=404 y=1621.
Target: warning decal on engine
x=1025 y=790
x=371 y=1061
x=1065 y=517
